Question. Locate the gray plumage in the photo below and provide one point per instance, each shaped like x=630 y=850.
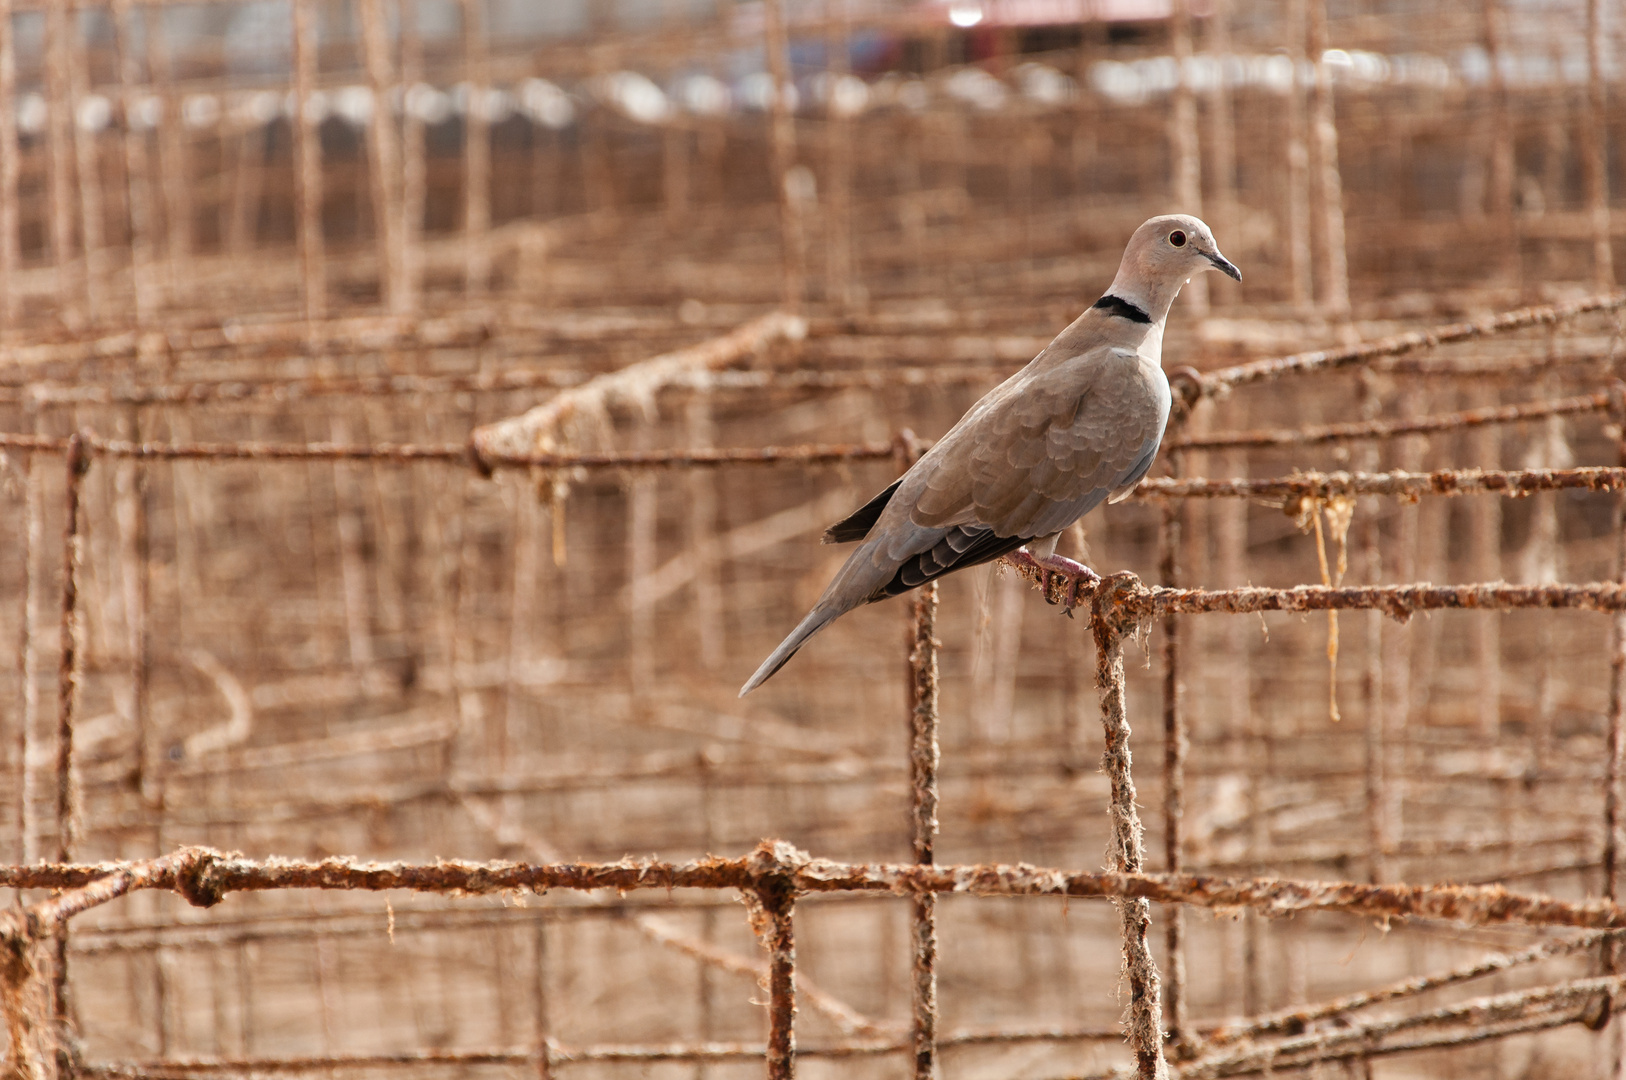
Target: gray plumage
x=1079 y=425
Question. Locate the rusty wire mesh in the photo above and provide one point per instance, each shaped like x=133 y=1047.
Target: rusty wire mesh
x=292 y=572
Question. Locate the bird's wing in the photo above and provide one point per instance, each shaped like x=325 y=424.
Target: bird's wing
x=1052 y=445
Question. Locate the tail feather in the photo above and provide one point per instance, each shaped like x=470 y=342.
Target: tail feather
x=816 y=620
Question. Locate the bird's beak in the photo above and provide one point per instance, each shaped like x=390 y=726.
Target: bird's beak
x=1223 y=265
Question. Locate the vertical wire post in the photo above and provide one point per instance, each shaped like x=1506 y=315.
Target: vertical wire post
x=782 y=153
x=1617 y=694
x=10 y=172
x=1174 y=772
x=838 y=231
x=69 y=675
x=384 y=160
x=1379 y=826
x=137 y=178
x=476 y=151
x=1327 y=185
x=924 y=755
x=60 y=141
x=1595 y=153
x=28 y=666
x=778 y=899
x=1297 y=173
x=1184 y=144
x=414 y=166
x=308 y=162
x=544 y=1023
x=1111 y=624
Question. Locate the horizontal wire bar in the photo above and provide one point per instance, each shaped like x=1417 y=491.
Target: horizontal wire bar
x=1388 y=429
x=1510 y=482
x=205 y=877
x=1224 y=379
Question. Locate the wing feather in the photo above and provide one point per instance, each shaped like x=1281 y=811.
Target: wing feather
x=1048 y=448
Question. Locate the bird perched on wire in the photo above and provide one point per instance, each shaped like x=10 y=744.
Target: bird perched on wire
x=1079 y=424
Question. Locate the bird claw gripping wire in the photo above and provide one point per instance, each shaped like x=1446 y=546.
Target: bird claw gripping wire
x=1060 y=579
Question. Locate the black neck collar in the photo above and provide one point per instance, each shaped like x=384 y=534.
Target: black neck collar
x=1117 y=305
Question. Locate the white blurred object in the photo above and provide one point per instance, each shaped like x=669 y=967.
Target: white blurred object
x=32 y=113
x=800 y=184
x=634 y=95
x=353 y=105
x=546 y=104
x=427 y=105
x=95 y=113
x=845 y=95
x=703 y=95
x=755 y=91
x=316 y=106
x=256 y=109
x=200 y=110
x=1043 y=84
x=976 y=87
x=492 y=105
x=144 y=112
x=965 y=13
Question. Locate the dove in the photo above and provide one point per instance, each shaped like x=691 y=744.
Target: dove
x=1079 y=425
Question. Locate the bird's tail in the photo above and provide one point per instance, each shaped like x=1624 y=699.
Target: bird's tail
x=816 y=620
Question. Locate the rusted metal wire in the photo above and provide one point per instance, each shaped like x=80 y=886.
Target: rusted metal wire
x=1367 y=1039
x=307 y=148
x=782 y=156
x=1616 y=762
x=1314 y=434
x=1215 y=382
x=1175 y=745
x=924 y=756
x=456 y=453
x=1318 y=485
x=1289 y=1020
x=10 y=248
x=1138 y=601
x=70 y=673
x=1111 y=621
x=564 y=1054
x=775 y=892
x=205 y=877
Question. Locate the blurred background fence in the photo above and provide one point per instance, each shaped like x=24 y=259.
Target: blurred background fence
x=380 y=553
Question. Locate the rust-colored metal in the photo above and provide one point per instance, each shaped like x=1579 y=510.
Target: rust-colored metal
x=775 y=890
x=307 y=162
x=1397 y=601
x=384 y=159
x=1327 y=186
x=1311 y=435
x=476 y=149
x=206 y=877
x=924 y=756
x=1400 y=344
x=1111 y=621
x=782 y=155
x=1615 y=766
x=1175 y=745
x=1318 y=485
x=1594 y=152
x=10 y=247
x=1291 y=1020
x=70 y=674
x=71 y=666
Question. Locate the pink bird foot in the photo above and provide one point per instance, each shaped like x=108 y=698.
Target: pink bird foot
x=1074 y=578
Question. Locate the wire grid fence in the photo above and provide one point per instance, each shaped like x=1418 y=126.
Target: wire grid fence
x=778 y=873
x=445 y=617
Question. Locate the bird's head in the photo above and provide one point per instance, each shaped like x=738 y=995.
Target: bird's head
x=1163 y=255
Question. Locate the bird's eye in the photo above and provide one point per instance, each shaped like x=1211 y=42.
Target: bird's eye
x=1177 y=238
